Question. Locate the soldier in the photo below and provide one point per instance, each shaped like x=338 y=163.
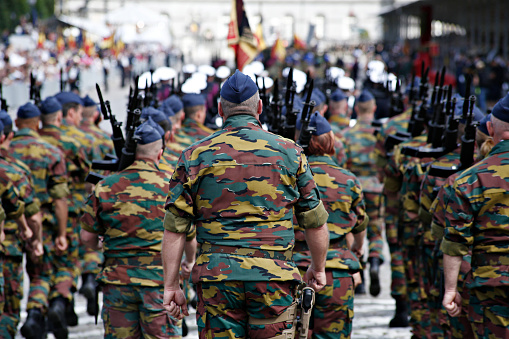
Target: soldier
x=132 y=276
x=90 y=114
x=49 y=176
x=195 y=114
x=476 y=218
x=239 y=186
x=338 y=110
x=341 y=194
x=361 y=160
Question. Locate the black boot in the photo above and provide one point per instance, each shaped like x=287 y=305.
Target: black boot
x=56 y=318
x=401 y=317
x=374 y=270
x=70 y=315
x=34 y=326
x=88 y=291
x=361 y=289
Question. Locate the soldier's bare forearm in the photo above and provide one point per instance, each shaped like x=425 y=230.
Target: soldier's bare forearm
x=61 y=213
x=318 y=243
x=35 y=223
x=172 y=249
x=452 y=266
x=190 y=250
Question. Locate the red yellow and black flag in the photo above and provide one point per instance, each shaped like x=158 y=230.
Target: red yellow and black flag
x=240 y=37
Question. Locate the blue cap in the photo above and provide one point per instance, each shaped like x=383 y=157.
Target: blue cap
x=238 y=88
x=167 y=110
x=5 y=118
x=50 y=105
x=365 y=96
x=338 y=95
x=1 y=126
x=88 y=101
x=156 y=126
x=501 y=109
x=318 y=97
x=319 y=122
x=192 y=99
x=153 y=113
x=174 y=103
x=28 y=111
x=68 y=97
x=147 y=133
x=483 y=125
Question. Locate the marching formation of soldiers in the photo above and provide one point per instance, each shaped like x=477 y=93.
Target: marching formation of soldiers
x=243 y=189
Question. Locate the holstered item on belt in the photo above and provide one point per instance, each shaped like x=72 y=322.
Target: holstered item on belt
x=289 y=315
x=307 y=303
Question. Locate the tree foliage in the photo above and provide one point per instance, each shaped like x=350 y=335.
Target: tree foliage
x=12 y=10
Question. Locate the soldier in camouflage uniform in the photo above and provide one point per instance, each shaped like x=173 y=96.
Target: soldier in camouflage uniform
x=49 y=177
x=338 y=109
x=341 y=194
x=195 y=114
x=102 y=139
x=240 y=186
x=127 y=209
x=360 y=144
x=475 y=217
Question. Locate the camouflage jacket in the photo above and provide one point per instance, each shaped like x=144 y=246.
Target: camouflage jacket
x=127 y=208
x=360 y=145
x=342 y=197
x=46 y=162
x=240 y=186
x=86 y=140
x=338 y=123
x=476 y=216
x=195 y=129
x=102 y=141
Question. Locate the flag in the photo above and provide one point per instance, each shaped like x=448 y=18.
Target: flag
x=259 y=37
x=88 y=46
x=60 y=44
x=278 y=50
x=41 y=40
x=298 y=43
x=240 y=37
x=71 y=42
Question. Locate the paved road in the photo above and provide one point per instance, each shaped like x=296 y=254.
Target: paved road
x=372 y=315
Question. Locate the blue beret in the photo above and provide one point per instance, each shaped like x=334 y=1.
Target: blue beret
x=50 y=105
x=147 y=133
x=156 y=126
x=88 y=101
x=365 y=96
x=318 y=97
x=5 y=118
x=192 y=99
x=483 y=125
x=238 y=88
x=67 y=97
x=28 y=111
x=153 y=113
x=320 y=123
x=1 y=126
x=501 y=109
x=174 y=103
x=338 y=95
x=167 y=110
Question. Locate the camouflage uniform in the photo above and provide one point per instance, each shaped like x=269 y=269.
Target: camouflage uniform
x=194 y=129
x=245 y=189
x=13 y=246
x=49 y=178
x=103 y=141
x=476 y=218
x=360 y=144
x=127 y=209
x=341 y=194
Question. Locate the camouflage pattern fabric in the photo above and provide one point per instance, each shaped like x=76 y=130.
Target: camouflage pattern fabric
x=398 y=123
x=488 y=311
x=244 y=182
x=13 y=291
x=102 y=141
x=195 y=129
x=224 y=308
x=137 y=312
x=338 y=123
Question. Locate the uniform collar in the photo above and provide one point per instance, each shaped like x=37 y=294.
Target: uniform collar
x=501 y=147
x=144 y=165
x=241 y=120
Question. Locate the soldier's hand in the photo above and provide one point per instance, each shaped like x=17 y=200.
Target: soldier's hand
x=357 y=279
x=187 y=267
x=452 y=303
x=174 y=301
x=2 y=235
x=26 y=233
x=315 y=279
x=61 y=243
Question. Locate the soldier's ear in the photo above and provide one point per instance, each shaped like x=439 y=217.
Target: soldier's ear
x=260 y=107
x=489 y=125
x=220 y=110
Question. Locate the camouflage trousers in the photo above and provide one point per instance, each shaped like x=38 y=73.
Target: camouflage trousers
x=488 y=311
x=374 y=230
x=90 y=260
x=13 y=290
x=53 y=275
x=224 y=308
x=137 y=312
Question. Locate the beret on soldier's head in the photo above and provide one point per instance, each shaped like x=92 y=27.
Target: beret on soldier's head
x=156 y=126
x=238 y=88
x=28 y=111
x=174 y=102
x=320 y=123
x=167 y=110
x=147 y=133
x=338 y=95
x=1 y=126
x=318 y=97
x=483 y=125
x=50 y=105
x=365 y=96
x=192 y=99
x=68 y=97
x=501 y=109
x=88 y=101
x=5 y=118
x=154 y=114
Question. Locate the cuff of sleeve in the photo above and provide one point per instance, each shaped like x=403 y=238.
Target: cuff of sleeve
x=313 y=218
x=437 y=231
x=176 y=224
x=88 y=228
x=191 y=234
x=361 y=227
x=425 y=216
x=453 y=248
x=59 y=191
x=32 y=209
x=18 y=212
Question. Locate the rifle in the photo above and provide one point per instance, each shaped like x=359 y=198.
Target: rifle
x=117 y=136
x=288 y=130
x=62 y=83
x=273 y=111
x=306 y=130
x=3 y=102
x=35 y=91
x=436 y=105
